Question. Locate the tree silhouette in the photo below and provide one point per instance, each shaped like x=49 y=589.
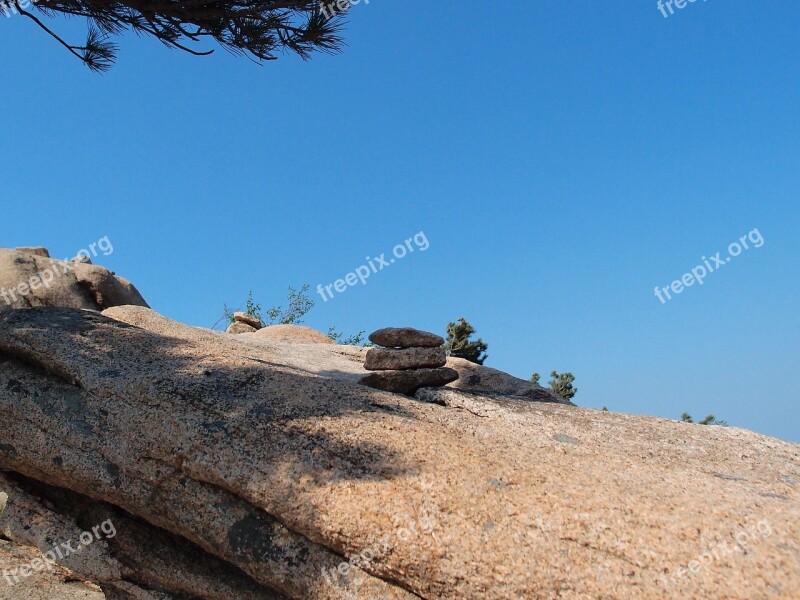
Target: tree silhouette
x=258 y=29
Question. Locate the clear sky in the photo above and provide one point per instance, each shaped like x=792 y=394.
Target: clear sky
x=562 y=159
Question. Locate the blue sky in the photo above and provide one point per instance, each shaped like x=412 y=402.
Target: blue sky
x=562 y=159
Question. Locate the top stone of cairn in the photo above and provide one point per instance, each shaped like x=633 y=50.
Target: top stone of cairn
x=405 y=337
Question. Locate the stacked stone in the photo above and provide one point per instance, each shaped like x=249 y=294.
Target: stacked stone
x=405 y=360
x=244 y=323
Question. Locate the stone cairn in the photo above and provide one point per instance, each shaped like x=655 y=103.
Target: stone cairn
x=244 y=323
x=405 y=360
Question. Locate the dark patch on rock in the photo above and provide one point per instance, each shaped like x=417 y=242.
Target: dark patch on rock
x=728 y=477
x=12 y=385
x=565 y=439
x=8 y=450
x=261 y=413
x=114 y=472
x=214 y=427
x=251 y=539
x=776 y=496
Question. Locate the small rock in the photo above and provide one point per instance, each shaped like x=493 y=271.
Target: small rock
x=380 y=359
x=238 y=327
x=408 y=382
x=82 y=258
x=35 y=250
x=405 y=337
x=247 y=319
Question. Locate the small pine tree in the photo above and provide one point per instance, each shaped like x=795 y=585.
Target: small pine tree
x=561 y=384
x=712 y=420
x=458 y=342
x=709 y=420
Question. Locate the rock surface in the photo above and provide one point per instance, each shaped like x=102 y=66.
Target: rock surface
x=405 y=337
x=279 y=472
x=28 y=278
x=35 y=250
x=293 y=334
x=408 y=382
x=381 y=359
x=126 y=557
x=247 y=319
x=238 y=327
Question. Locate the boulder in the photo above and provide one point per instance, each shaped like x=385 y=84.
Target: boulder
x=292 y=334
x=405 y=358
x=247 y=319
x=312 y=486
x=485 y=380
x=83 y=258
x=29 y=279
x=405 y=337
x=105 y=288
x=35 y=250
x=408 y=382
x=237 y=327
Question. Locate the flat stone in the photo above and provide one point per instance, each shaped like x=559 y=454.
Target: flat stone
x=408 y=382
x=248 y=319
x=405 y=337
x=238 y=327
x=381 y=359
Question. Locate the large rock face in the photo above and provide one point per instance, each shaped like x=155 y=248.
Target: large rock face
x=226 y=450
x=30 y=278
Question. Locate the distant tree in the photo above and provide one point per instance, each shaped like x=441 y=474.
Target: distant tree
x=353 y=340
x=561 y=384
x=299 y=305
x=258 y=29
x=709 y=420
x=712 y=420
x=605 y=409
x=460 y=345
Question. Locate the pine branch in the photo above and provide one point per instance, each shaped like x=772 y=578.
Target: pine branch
x=258 y=29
